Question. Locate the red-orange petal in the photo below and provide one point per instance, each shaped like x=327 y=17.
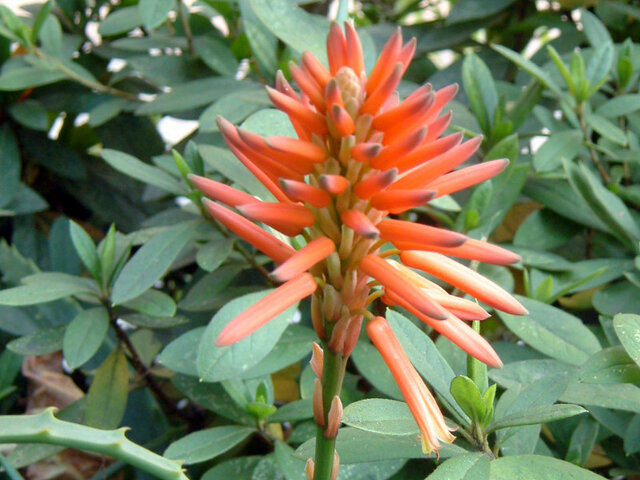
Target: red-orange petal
x=386 y=62
x=406 y=54
x=290 y=219
x=375 y=183
x=312 y=121
x=332 y=93
x=438 y=126
x=250 y=232
x=365 y=152
x=373 y=103
x=408 y=108
x=389 y=155
x=275 y=163
x=393 y=280
x=342 y=119
x=360 y=223
x=315 y=68
x=464 y=278
x=400 y=230
x=334 y=184
x=336 y=49
x=283 y=86
x=303 y=192
x=305 y=258
x=266 y=309
x=398 y=201
x=308 y=85
x=466 y=177
x=460 y=307
x=427 y=151
x=219 y=191
x=297 y=149
x=355 y=57
x=424 y=174
x=472 y=249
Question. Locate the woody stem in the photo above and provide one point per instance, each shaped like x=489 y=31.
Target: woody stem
x=332 y=377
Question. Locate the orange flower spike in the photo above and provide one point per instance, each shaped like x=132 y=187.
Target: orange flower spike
x=438 y=126
x=400 y=230
x=460 y=307
x=411 y=106
x=290 y=219
x=303 y=192
x=421 y=403
x=426 y=173
x=291 y=149
x=406 y=54
x=390 y=155
x=355 y=57
x=365 y=152
x=472 y=249
x=315 y=68
x=315 y=251
x=283 y=86
x=336 y=49
x=427 y=151
x=334 y=184
x=398 y=201
x=465 y=279
x=309 y=119
x=342 y=120
x=219 y=191
x=373 y=103
x=251 y=233
x=386 y=62
x=266 y=309
x=308 y=85
x=466 y=177
x=375 y=183
x=393 y=280
x=357 y=221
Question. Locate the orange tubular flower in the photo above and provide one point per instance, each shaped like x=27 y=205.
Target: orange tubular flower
x=361 y=155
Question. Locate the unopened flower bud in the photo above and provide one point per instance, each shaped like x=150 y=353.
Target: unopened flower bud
x=317 y=359
x=352 y=335
x=334 y=418
x=336 y=465
x=316 y=316
x=318 y=410
x=309 y=469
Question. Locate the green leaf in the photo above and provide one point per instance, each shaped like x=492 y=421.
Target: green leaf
x=618 y=396
x=62 y=254
x=529 y=371
x=85 y=248
x=29 y=77
x=372 y=367
x=122 y=20
x=627 y=327
x=240 y=468
x=41 y=16
x=207 y=444
x=30 y=113
x=617 y=298
x=222 y=363
x=51 y=36
x=619 y=105
x=527 y=467
x=298 y=29
x=107 y=396
x=631 y=437
x=151 y=262
x=467 y=395
x=469 y=466
x=9 y=165
x=134 y=168
x=562 y=145
x=607 y=129
x=153 y=303
x=216 y=55
x=295 y=411
x=595 y=31
x=387 y=417
x=599 y=66
x=544 y=230
x=529 y=67
x=611 y=365
x=604 y=204
x=536 y=415
x=211 y=255
x=234 y=107
x=480 y=89
x=41 y=342
x=84 y=335
x=264 y=45
x=553 y=332
x=154 y=12
x=582 y=441
x=42 y=293
x=466 y=10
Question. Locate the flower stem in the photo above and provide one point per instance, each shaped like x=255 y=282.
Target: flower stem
x=476 y=370
x=332 y=377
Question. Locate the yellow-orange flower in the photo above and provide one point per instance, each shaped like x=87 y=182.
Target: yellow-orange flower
x=361 y=155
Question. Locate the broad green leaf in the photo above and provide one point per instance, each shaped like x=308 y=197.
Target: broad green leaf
x=240 y=468
x=618 y=298
x=529 y=67
x=31 y=114
x=469 y=466
x=84 y=335
x=29 y=77
x=154 y=303
x=480 y=89
x=154 y=12
x=51 y=36
x=595 y=31
x=180 y=355
x=528 y=467
x=294 y=26
x=207 y=444
x=607 y=129
x=619 y=105
x=627 y=327
x=536 y=415
x=544 y=230
x=205 y=294
x=359 y=446
x=559 y=146
x=134 y=168
x=291 y=467
x=47 y=291
x=612 y=365
x=62 y=254
x=269 y=122
x=599 y=66
x=119 y=21
x=234 y=107
x=620 y=396
x=295 y=411
x=466 y=10
x=553 y=332
x=9 y=165
x=372 y=367
x=264 y=45
x=582 y=441
x=468 y=397
x=525 y=372
x=604 y=204
x=216 y=55
x=222 y=363
x=377 y=415
x=631 y=437
x=107 y=396
x=211 y=255
x=147 y=321
x=151 y=262
x=41 y=342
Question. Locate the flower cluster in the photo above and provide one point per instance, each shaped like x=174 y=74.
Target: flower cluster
x=361 y=155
